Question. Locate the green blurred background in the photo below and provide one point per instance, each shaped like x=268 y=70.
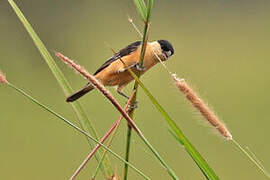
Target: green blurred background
x=222 y=49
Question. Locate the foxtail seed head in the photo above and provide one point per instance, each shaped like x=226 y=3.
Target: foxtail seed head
x=202 y=107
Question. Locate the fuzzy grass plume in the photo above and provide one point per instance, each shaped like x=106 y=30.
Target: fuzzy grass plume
x=210 y=116
x=202 y=107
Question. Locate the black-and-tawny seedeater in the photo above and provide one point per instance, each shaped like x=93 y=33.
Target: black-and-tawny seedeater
x=114 y=73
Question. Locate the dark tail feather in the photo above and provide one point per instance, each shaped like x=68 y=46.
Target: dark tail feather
x=80 y=93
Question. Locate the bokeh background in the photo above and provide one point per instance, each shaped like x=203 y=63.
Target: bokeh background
x=222 y=50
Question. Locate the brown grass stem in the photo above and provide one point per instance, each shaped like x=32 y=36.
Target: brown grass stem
x=134 y=26
x=202 y=107
x=102 y=140
x=116 y=123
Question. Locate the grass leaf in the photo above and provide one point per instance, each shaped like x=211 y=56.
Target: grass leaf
x=141 y=8
x=176 y=138
x=149 y=9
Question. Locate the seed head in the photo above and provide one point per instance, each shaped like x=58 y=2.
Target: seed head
x=3 y=79
x=202 y=107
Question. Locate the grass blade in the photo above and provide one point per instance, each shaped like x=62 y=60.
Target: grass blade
x=81 y=115
x=149 y=9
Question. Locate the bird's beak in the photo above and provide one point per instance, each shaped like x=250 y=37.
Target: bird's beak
x=168 y=54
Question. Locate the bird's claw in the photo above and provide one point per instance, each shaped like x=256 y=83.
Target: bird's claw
x=140 y=68
x=120 y=71
x=133 y=106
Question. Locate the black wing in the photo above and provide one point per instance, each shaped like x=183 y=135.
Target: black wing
x=123 y=52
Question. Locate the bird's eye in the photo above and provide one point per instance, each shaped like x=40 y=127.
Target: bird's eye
x=164 y=48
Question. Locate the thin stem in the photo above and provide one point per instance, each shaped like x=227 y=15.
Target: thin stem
x=75 y=127
x=250 y=158
x=108 y=145
x=127 y=150
x=254 y=156
x=134 y=26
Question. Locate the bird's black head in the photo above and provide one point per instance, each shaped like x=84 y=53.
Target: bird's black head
x=167 y=48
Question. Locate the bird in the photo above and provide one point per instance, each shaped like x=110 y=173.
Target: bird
x=114 y=73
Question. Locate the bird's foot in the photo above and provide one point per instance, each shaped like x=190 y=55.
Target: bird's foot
x=133 y=106
x=140 y=68
x=126 y=68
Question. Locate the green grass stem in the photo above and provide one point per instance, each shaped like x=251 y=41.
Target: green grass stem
x=253 y=160
x=145 y=13
x=141 y=8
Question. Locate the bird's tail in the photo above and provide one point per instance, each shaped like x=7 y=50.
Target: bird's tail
x=89 y=87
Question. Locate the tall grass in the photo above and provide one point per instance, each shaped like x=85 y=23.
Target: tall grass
x=144 y=11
